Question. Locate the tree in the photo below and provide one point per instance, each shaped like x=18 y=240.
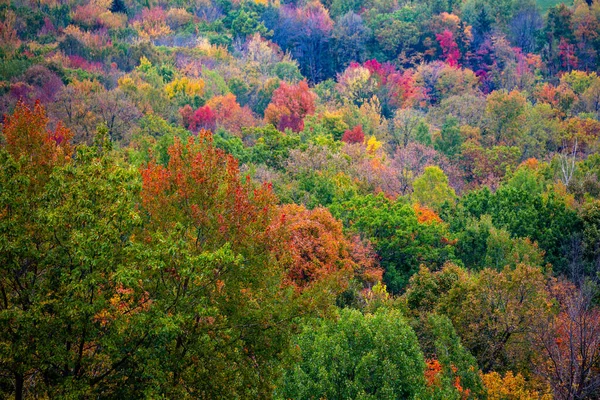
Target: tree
x=73 y=310
x=506 y=114
x=450 y=51
x=202 y=119
x=354 y=135
x=510 y=386
x=494 y=311
x=458 y=375
x=544 y=218
x=230 y=115
x=431 y=189
x=570 y=344
x=290 y=104
x=450 y=139
x=217 y=271
x=404 y=127
x=349 y=40
x=321 y=254
x=410 y=162
x=401 y=241
x=357 y=356
x=306 y=32
x=525 y=26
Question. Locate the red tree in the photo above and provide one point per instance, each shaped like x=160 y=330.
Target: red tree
x=355 y=135
x=28 y=139
x=450 y=50
x=289 y=105
x=202 y=118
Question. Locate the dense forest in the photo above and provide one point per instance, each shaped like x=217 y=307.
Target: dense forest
x=336 y=199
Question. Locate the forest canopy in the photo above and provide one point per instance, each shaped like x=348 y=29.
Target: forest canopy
x=281 y=199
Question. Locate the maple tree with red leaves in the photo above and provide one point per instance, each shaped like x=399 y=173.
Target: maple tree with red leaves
x=450 y=50
x=202 y=118
x=354 y=135
x=289 y=105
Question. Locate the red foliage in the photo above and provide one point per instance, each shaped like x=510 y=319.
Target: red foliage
x=293 y=122
x=450 y=50
x=81 y=63
x=402 y=89
x=289 y=105
x=201 y=189
x=354 y=135
x=569 y=60
x=202 y=118
x=230 y=115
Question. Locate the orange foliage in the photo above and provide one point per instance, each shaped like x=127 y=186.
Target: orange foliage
x=27 y=137
x=531 y=163
x=425 y=215
x=320 y=251
x=432 y=370
x=230 y=115
x=201 y=190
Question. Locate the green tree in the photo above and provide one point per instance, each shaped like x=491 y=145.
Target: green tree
x=74 y=310
x=373 y=356
x=459 y=376
x=431 y=188
x=450 y=139
x=401 y=241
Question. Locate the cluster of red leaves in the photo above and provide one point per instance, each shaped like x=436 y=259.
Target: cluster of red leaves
x=230 y=115
x=202 y=119
x=289 y=105
x=201 y=189
x=354 y=135
x=403 y=90
x=450 y=50
x=567 y=55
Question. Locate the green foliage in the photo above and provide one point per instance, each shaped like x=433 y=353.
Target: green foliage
x=154 y=139
x=460 y=374
x=481 y=245
x=76 y=295
x=357 y=357
x=543 y=218
x=432 y=190
x=271 y=146
x=402 y=242
x=450 y=139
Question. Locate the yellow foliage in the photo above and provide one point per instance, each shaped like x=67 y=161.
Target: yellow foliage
x=145 y=64
x=212 y=51
x=510 y=387
x=126 y=83
x=87 y=86
x=185 y=87
x=373 y=145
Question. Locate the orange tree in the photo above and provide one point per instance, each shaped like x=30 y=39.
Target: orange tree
x=213 y=252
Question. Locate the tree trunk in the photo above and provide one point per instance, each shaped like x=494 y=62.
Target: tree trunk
x=19 y=386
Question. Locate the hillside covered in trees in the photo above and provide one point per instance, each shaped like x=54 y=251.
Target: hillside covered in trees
x=336 y=199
